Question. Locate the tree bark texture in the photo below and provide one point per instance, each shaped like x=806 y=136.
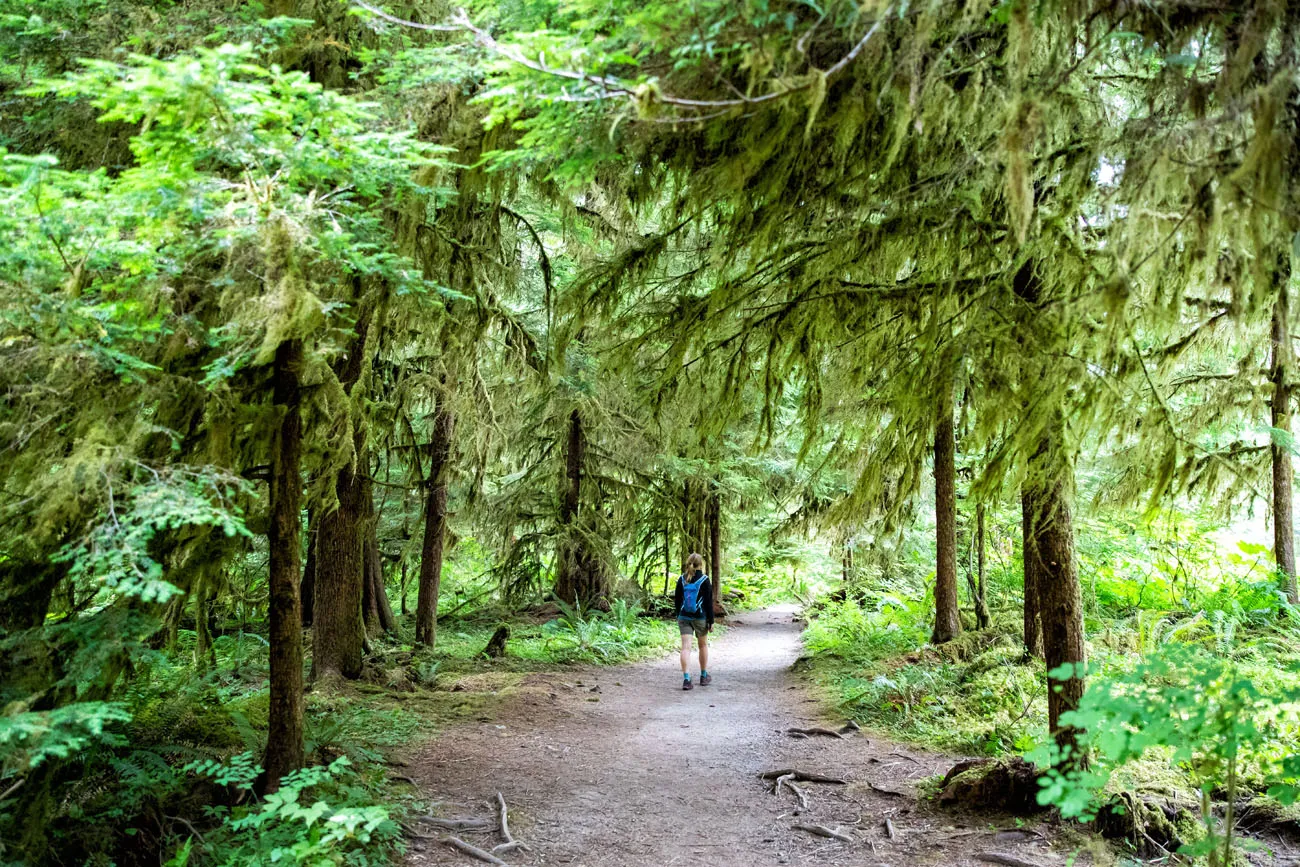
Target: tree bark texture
x=668 y=557
x=1033 y=634
x=581 y=577
x=715 y=547
x=1048 y=501
x=338 y=633
x=377 y=611
x=338 y=629
x=947 y=617
x=284 y=744
x=435 y=526
x=308 y=592
x=981 y=598
x=1283 y=472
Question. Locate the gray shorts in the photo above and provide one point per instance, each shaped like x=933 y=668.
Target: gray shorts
x=699 y=627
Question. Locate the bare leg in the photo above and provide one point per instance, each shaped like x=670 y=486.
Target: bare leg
x=704 y=653
x=686 y=652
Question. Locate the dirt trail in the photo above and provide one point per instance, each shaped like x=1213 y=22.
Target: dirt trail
x=619 y=766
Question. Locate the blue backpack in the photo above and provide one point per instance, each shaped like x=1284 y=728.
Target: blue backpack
x=691 y=607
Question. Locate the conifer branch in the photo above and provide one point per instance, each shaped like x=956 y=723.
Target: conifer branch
x=610 y=87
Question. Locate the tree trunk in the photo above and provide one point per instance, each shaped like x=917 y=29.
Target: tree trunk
x=715 y=547
x=1033 y=634
x=375 y=601
x=1048 y=503
x=284 y=744
x=668 y=557
x=947 y=619
x=402 y=597
x=338 y=632
x=581 y=577
x=435 y=526
x=204 y=653
x=1283 y=527
x=981 y=599
x=338 y=629
x=377 y=611
x=308 y=592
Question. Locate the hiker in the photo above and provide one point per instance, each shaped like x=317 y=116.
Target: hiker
x=693 y=605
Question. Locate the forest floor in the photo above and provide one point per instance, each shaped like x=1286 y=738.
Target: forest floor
x=620 y=766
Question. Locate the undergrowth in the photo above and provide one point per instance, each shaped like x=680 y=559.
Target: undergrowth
x=166 y=774
x=1209 y=625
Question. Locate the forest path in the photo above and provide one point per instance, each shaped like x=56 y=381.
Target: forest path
x=620 y=766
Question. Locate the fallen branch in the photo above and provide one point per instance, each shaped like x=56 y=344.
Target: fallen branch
x=889 y=829
x=822 y=831
x=906 y=756
x=801 y=776
x=473 y=851
x=890 y=792
x=1004 y=859
x=815 y=730
x=787 y=781
x=405 y=779
x=512 y=846
x=459 y=824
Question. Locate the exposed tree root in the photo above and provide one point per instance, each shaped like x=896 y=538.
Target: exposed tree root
x=510 y=844
x=1004 y=859
x=473 y=851
x=459 y=824
x=822 y=831
x=787 y=781
x=878 y=790
x=815 y=730
x=802 y=776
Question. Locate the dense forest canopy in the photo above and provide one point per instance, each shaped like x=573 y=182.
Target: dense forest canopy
x=326 y=324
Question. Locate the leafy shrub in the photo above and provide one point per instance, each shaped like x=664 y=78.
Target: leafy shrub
x=318 y=817
x=1200 y=713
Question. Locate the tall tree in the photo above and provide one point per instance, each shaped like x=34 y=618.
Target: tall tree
x=947 y=617
x=338 y=626
x=1282 y=444
x=284 y=743
x=435 y=524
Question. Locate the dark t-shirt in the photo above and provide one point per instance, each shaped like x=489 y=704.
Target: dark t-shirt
x=705 y=596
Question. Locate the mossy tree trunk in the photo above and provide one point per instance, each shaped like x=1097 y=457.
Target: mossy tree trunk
x=435 y=525
x=377 y=611
x=1033 y=633
x=1283 y=473
x=284 y=744
x=1048 y=503
x=981 y=552
x=947 y=617
x=715 y=545
x=308 y=591
x=338 y=630
x=580 y=576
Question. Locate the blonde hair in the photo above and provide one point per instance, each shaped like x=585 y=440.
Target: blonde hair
x=696 y=561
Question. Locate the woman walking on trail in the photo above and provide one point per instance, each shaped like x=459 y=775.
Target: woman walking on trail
x=693 y=605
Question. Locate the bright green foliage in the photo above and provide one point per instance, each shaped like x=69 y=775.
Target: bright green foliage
x=1203 y=714
x=587 y=634
x=296 y=825
x=29 y=739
